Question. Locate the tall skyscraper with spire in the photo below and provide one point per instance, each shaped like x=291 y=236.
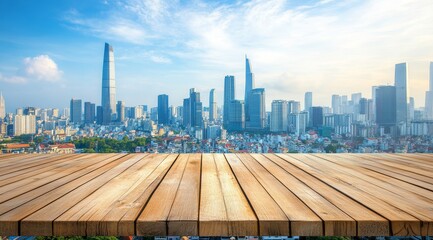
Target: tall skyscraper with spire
x=229 y=95
x=2 y=106
x=401 y=93
x=249 y=85
x=108 y=102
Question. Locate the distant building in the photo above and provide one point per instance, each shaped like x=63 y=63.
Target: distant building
x=24 y=124
x=386 y=107
x=401 y=93
x=229 y=95
x=212 y=106
x=89 y=112
x=249 y=85
x=163 y=116
x=429 y=96
x=308 y=101
x=108 y=101
x=257 y=109
x=186 y=112
x=2 y=106
x=120 y=109
x=293 y=106
x=316 y=117
x=336 y=104
x=99 y=114
x=236 y=116
x=76 y=110
x=279 y=114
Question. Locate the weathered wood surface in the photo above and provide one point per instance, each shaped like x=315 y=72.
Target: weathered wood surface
x=217 y=194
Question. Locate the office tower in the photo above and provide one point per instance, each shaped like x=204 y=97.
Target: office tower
x=257 y=109
x=24 y=124
x=236 y=116
x=2 y=106
x=196 y=109
x=120 y=109
x=76 y=110
x=229 y=95
x=186 y=112
x=401 y=92
x=373 y=97
x=212 y=106
x=411 y=109
x=108 y=102
x=29 y=111
x=386 y=106
x=363 y=106
x=336 y=104
x=308 y=101
x=429 y=96
x=163 y=117
x=249 y=85
x=19 y=111
x=294 y=107
x=279 y=114
x=179 y=112
x=55 y=113
x=89 y=112
x=316 y=117
x=99 y=114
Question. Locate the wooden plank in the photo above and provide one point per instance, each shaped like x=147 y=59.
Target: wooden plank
x=153 y=220
x=242 y=220
x=337 y=222
x=131 y=204
x=303 y=221
x=14 y=210
x=32 y=171
x=183 y=217
x=30 y=162
x=41 y=222
x=369 y=223
x=85 y=218
x=213 y=214
x=419 y=206
x=272 y=219
x=415 y=161
x=17 y=188
x=402 y=224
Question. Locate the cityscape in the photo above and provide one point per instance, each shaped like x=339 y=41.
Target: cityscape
x=387 y=122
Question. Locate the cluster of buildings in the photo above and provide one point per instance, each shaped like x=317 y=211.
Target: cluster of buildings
x=195 y=126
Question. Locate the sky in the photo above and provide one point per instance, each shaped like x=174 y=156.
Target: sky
x=52 y=50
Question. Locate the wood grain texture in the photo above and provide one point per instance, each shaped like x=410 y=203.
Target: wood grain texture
x=216 y=194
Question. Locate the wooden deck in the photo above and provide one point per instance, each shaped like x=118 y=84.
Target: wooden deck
x=217 y=194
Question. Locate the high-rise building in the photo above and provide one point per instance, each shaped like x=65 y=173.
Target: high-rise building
x=429 y=96
x=279 y=115
x=196 y=109
x=336 y=104
x=186 y=112
x=89 y=112
x=108 y=102
x=163 y=117
x=363 y=106
x=120 y=109
x=29 y=111
x=294 y=107
x=316 y=117
x=76 y=110
x=308 y=101
x=257 y=109
x=236 y=116
x=249 y=85
x=212 y=106
x=229 y=95
x=411 y=109
x=401 y=92
x=99 y=114
x=24 y=124
x=386 y=106
x=2 y=106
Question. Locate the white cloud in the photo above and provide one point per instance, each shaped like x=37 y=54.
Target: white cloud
x=12 y=79
x=43 y=68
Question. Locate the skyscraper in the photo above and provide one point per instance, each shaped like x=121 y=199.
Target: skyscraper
x=279 y=114
x=429 y=96
x=2 y=107
x=229 y=95
x=89 y=112
x=401 y=92
x=236 y=116
x=120 y=109
x=76 y=110
x=257 y=109
x=186 y=112
x=163 y=109
x=386 y=106
x=336 y=104
x=316 y=117
x=249 y=85
x=212 y=106
x=108 y=102
x=308 y=101
x=24 y=124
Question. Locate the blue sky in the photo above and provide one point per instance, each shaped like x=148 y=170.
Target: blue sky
x=51 y=51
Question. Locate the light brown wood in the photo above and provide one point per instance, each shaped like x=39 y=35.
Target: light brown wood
x=216 y=194
x=272 y=219
x=153 y=220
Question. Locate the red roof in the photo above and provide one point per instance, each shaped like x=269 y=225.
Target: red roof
x=17 y=145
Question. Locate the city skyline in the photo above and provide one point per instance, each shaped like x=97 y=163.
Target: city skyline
x=285 y=64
